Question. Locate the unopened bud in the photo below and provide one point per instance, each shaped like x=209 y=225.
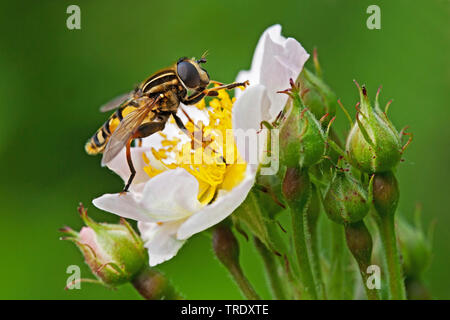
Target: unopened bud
x=346 y=200
x=114 y=252
x=302 y=139
x=385 y=193
x=373 y=144
x=359 y=241
x=319 y=98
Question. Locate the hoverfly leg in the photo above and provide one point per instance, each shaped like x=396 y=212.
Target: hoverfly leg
x=138 y=142
x=130 y=165
x=227 y=87
x=181 y=126
x=187 y=116
x=194 y=98
x=143 y=131
x=212 y=93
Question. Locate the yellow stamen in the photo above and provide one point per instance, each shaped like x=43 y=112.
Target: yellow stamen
x=214 y=163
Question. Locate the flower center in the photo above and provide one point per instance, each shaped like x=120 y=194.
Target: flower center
x=210 y=155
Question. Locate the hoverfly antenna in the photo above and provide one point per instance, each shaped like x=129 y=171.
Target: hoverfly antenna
x=203 y=58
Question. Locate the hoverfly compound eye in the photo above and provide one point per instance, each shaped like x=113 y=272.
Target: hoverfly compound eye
x=188 y=74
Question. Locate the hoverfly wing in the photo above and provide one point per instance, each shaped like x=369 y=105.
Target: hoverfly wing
x=124 y=132
x=117 y=102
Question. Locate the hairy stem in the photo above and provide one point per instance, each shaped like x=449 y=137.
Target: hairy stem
x=271 y=267
x=301 y=250
x=226 y=248
x=312 y=241
x=395 y=275
x=153 y=285
x=336 y=285
x=242 y=282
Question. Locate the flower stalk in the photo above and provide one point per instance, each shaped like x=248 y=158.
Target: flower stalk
x=312 y=240
x=336 y=284
x=271 y=266
x=226 y=248
x=153 y=285
x=385 y=200
x=359 y=242
x=297 y=189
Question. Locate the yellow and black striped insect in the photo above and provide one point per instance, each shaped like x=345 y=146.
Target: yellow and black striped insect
x=146 y=109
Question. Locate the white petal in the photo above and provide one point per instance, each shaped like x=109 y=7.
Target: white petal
x=275 y=61
x=120 y=166
x=88 y=237
x=171 y=195
x=160 y=240
x=249 y=110
x=221 y=208
x=125 y=205
x=253 y=75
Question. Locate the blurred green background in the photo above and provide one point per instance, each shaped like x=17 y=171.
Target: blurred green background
x=52 y=81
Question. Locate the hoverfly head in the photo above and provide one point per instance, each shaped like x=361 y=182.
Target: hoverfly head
x=191 y=74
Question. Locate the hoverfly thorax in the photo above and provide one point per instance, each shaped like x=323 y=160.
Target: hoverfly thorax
x=191 y=75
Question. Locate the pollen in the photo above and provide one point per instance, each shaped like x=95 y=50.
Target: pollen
x=211 y=155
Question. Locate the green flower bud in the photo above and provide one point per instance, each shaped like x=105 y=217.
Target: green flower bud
x=296 y=187
x=373 y=144
x=114 y=252
x=346 y=200
x=302 y=139
x=385 y=193
x=319 y=98
x=359 y=242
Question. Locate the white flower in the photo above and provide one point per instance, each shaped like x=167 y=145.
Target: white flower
x=172 y=201
x=276 y=60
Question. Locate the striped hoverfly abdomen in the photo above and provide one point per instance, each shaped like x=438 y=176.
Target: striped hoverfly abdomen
x=98 y=141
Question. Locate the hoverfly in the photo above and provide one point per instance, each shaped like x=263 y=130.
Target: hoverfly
x=146 y=109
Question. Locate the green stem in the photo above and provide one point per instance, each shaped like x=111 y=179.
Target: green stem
x=359 y=242
x=226 y=248
x=242 y=282
x=337 y=277
x=386 y=225
x=312 y=241
x=301 y=250
x=153 y=285
x=372 y=294
x=271 y=266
